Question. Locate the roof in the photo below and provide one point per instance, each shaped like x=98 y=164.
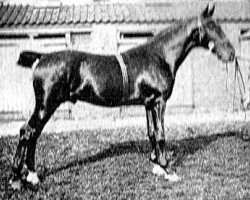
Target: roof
x=33 y=16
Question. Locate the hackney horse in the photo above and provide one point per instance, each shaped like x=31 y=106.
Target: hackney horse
x=99 y=79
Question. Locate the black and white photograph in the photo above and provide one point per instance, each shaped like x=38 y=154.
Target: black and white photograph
x=125 y=99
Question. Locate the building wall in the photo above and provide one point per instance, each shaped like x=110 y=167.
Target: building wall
x=202 y=81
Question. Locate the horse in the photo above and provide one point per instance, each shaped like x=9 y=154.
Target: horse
x=99 y=79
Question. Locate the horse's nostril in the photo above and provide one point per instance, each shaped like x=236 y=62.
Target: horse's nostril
x=232 y=56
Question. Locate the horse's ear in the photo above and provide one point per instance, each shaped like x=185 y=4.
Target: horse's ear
x=208 y=12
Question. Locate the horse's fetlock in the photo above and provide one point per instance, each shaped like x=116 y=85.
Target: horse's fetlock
x=153 y=157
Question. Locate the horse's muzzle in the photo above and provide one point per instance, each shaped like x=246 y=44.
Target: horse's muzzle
x=226 y=58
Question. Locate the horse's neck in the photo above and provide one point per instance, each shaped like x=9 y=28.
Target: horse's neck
x=176 y=49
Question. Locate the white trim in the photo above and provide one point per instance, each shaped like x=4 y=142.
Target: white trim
x=36 y=31
x=68 y=40
x=50 y=41
x=34 y=42
x=13 y=41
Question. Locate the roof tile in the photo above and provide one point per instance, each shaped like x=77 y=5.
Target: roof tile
x=6 y=15
x=20 y=15
x=77 y=14
x=133 y=13
x=149 y=15
x=141 y=13
x=119 y=14
x=2 y=9
x=12 y=15
x=105 y=13
x=62 y=15
x=91 y=16
x=34 y=16
x=111 y=12
x=98 y=16
x=126 y=13
x=27 y=15
x=48 y=15
x=84 y=13
x=40 y=16
x=55 y=15
x=70 y=15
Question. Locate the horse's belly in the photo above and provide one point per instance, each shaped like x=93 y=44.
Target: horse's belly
x=97 y=95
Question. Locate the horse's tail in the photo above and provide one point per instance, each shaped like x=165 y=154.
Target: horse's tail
x=28 y=58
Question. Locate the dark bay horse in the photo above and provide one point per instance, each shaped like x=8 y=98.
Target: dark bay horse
x=151 y=69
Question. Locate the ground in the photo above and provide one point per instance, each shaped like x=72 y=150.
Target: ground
x=111 y=162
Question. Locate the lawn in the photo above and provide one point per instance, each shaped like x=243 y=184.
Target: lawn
x=213 y=162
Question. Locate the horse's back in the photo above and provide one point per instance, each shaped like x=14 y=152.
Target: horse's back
x=82 y=76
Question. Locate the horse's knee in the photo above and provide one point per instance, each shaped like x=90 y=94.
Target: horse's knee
x=26 y=133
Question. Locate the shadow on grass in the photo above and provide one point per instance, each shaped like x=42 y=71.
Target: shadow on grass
x=180 y=148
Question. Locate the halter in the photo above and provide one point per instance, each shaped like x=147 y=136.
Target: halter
x=199 y=24
x=210 y=44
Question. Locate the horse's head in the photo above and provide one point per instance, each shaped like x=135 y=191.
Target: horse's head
x=211 y=36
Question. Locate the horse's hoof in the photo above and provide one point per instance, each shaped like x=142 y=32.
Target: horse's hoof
x=32 y=178
x=15 y=185
x=172 y=177
x=158 y=170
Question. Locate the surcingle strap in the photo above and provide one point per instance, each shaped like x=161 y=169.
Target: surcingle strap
x=124 y=73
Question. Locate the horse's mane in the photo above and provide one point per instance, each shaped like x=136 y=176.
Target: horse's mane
x=171 y=31
x=165 y=35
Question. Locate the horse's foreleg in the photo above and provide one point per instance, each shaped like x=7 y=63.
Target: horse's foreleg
x=162 y=164
x=159 y=135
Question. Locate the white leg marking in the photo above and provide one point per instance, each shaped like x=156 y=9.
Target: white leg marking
x=172 y=177
x=16 y=185
x=158 y=170
x=33 y=178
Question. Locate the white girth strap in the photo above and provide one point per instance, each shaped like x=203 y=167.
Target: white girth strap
x=124 y=73
x=199 y=24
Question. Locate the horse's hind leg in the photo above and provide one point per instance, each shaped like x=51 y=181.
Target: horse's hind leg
x=151 y=135
x=29 y=133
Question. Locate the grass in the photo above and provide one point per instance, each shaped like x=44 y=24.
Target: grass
x=213 y=161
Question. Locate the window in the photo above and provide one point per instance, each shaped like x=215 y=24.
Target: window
x=12 y=36
x=129 y=39
x=132 y=36
x=8 y=40
x=50 y=36
x=136 y=35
